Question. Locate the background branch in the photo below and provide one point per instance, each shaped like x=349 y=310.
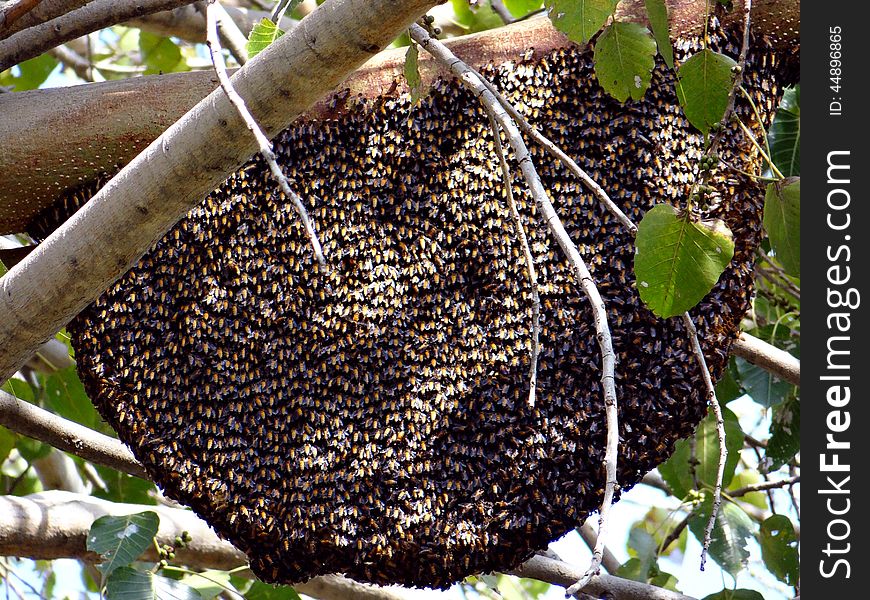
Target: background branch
x=32 y=421
x=768 y=357
x=187 y=23
x=46 y=10
x=13 y=10
x=95 y=15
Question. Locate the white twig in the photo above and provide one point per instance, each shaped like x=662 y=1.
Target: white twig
x=720 y=432
x=530 y=260
x=609 y=561
x=229 y=32
x=214 y=48
x=584 y=277
x=557 y=152
x=687 y=319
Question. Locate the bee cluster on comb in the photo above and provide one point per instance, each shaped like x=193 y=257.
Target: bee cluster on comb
x=370 y=417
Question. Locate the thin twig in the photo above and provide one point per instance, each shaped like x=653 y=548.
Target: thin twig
x=230 y=34
x=584 y=277
x=719 y=135
x=761 y=487
x=786 y=283
x=530 y=261
x=687 y=319
x=214 y=48
x=502 y=11
x=78 y=63
x=675 y=533
x=720 y=432
x=557 y=152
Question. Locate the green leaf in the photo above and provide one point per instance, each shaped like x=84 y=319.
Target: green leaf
x=664 y=580
x=677 y=261
x=127 y=583
x=643 y=548
x=765 y=389
x=30 y=449
x=580 y=19
x=30 y=73
x=730 y=534
x=7 y=443
x=124 y=488
x=209 y=583
x=515 y=588
x=20 y=389
x=785 y=434
x=263 y=33
x=266 y=591
x=412 y=73
x=782 y=221
x=735 y=595
x=160 y=54
x=66 y=396
x=121 y=540
x=520 y=8
x=624 y=59
x=677 y=471
x=727 y=388
x=657 y=11
x=704 y=83
x=779 y=548
x=659 y=523
x=480 y=17
x=749 y=477
x=784 y=136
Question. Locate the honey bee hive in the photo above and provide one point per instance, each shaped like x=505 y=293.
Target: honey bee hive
x=371 y=418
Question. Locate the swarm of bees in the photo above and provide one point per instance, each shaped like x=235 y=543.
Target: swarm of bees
x=370 y=417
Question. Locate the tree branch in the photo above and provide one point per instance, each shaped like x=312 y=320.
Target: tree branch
x=497 y=112
x=46 y=10
x=95 y=15
x=764 y=486
x=91 y=130
x=110 y=233
x=609 y=561
x=187 y=23
x=768 y=357
x=13 y=10
x=562 y=574
x=32 y=421
x=55 y=524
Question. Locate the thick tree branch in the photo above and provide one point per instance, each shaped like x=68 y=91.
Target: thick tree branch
x=95 y=15
x=88 y=130
x=768 y=357
x=101 y=241
x=55 y=524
